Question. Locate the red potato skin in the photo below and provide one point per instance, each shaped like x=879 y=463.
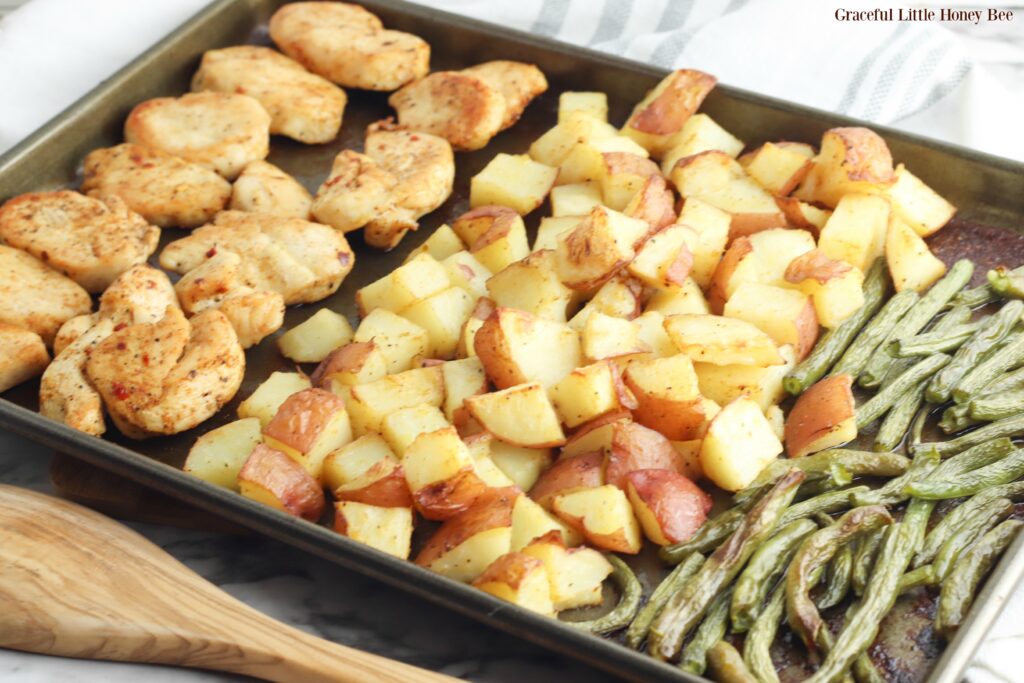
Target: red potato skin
x=797 y=178
x=300 y=419
x=680 y=268
x=817 y=412
x=736 y=252
x=447 y=498
x=511 y=569
x=815 y=265
x=679 y=506
x=667 y=113
x=289 y=482
x=386 y=487
x=485 y=224
x=491 y=510
x=654 y=204
x=807 y=330
x=867 y=156
x=582 y=471
x=746 y=224
x=635 y=447
x=348 y=358
x=675 y=420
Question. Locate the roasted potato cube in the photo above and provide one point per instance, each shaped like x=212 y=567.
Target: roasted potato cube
x=778 y=169
x=388 y=529
x=313 y=339
x=576 y=574
x=481 y=312
x=512 y=180
x=576 y=199
x=667 y=395
x=586 y=393
x=635 y=447
x=762 y=384
x=441 y=473
x=657 y=120
x=382 y=484
x=623 y=176
x=275 y=479
x=687 y=298
x=268 y=396
x=603 y=515
x=585 y=162
x=466 y=544
x=722 y=341
x=665 y=260
x=401 y=427
x=856 y=230
x=480 y=448
x=761 y=258
x=918 y=205
x=370 y=403
x=354 y=363
x=590 y=103
x=442 y=315
x=503 y=243
x=911 y=263
x=573 y=128
x=605 y=336
x=551 y=227
x=699 y=134
x=654 y=204
x=567 y=474
x=24 y=355
x=516 y=347
x=353 y=460
x=466 y=272
x=803 y=216
x=689 y=456
x=823 y=417
x=519 y=579
x=670 y=507
x=441 y=244
x=462 y=379
x=530 y=521
x=710 y=226
x=651 y=331
x=218 y=455
x=597 y=248
x=522 y=465
x=401 y=341
x=836 y=288
x=414 y=280
x=619 y=298
x=851 y=160
x=309 y=425
x=738 y=445
x=532 y=285
x=521 y=415
x=786 y=315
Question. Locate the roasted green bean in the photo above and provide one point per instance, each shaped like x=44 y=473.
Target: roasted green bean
x=996 y=328
x=815 y=552
x=883 y=400
x=915 y=578
x=707 y=538
x=973 y=458
x=1007 y=356
x=727 y=666
x=948 y=525
x=1010 y=426
x=981 y=295
x=630 y=594
x=897 y=421
x=917 y=317
x=840 y=575
x=927 y=343
x=836 y=341
x=893 y=491
x=956 y=418
x=855 y=463
x=864 y=559
x=758 y=643
x=997 y=406
x=968 y=532
x=962 y=583
x=1006 y=283
x=711 y=630
x=686 y=607
x=875 y=333
x=1002 y=471
x=1011 y=381
x=672 y=583
x=766 y=565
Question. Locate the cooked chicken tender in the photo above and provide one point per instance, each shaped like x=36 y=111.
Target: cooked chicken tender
x=302 y=261
x=462 y=108
x=348 y=45
x=35 y=296
x=302 y=105
x=163 y=189
x=168 y=376
x=217 y=283
x=219 y=131
x=423 y=166
x=357 y=190
x=90 y=241
x=518 y=83
x=22 y=356
x=264 y=188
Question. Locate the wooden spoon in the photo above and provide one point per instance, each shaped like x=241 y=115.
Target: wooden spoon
x=77 y=584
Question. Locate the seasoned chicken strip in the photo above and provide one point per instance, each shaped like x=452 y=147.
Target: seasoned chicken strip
x=348 y=45
x=518 y=83
x=302 y=105
x=90 y=241
x=168 y=376
x=216 y=283
x=264 y=188
x=302 y=261
x=219 y=131
x=357 y=189
x=423 y=166
x=22 y=356
x=35 y=296
x=460 y=107
x=163 y=189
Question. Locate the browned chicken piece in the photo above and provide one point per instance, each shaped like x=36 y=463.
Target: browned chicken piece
x=219 y=131
x=460 y=107
x=168 y=376
x=264 y=188
x=302 y=261
x=302 y=105
x=348 y=45
x=163 y=189
x=22 y=356
x=357 y=190
x=90 y=241
x=216 y=283
x=35 y=296
x=518 y=82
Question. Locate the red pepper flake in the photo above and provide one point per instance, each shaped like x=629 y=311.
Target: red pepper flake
x=120 y=326
x=212 y=252
x=145 y=359
x=121 y=392
x=121 y=346
x=414 y=138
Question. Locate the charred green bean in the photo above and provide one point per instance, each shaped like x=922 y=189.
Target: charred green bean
x=672 y=583
x=707 y=538
x=727 y=666
x=1006 y=283
x=997 y=406
x=864 y=559
x=711 y=630
x=630 y=594
x=894 y=491
x=948 y=525
x=1002 y=471
x=855 y=463
x=1007 y=356
x=1010 y=426
x=883 y=400
x=927 y=343
x=758 y=643
x=840 y=575
x=915 y=578
x=875 y=333
x=973 y=458
x=897 y=421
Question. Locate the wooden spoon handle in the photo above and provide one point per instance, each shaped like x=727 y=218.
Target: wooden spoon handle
x=77 y=584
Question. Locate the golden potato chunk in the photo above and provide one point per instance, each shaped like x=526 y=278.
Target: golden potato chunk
x=518 y=83
x=302 y=106
x=462 y=108
x=162 y=188
x=220 y=131
x=22 y=356
x=348 y=45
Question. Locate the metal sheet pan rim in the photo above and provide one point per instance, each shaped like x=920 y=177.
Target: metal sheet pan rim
x=541 y=630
